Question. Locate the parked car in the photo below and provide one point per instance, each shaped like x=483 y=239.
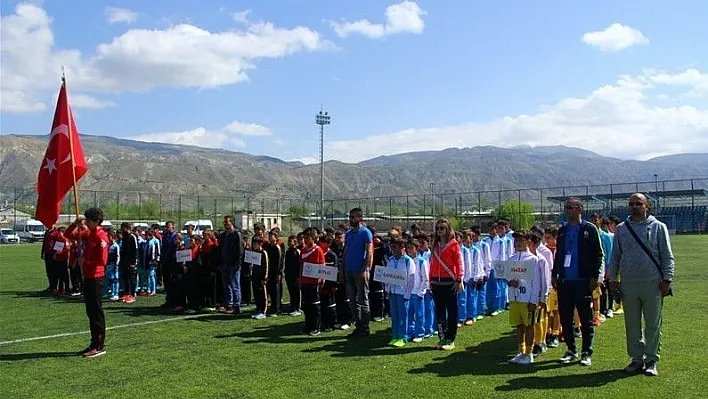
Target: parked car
x=8 y=236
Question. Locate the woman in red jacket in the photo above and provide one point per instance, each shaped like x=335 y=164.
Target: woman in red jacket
x=446 y=273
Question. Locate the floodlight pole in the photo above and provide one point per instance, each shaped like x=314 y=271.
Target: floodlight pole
x=322 y=118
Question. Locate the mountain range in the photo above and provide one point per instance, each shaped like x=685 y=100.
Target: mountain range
x=134 y=166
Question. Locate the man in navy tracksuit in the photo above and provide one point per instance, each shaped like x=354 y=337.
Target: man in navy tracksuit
x=128 y=262
x=576 y=269
x=168 y=260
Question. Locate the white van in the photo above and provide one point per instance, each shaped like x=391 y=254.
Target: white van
x=107 y=225
x=30 y=230
x=199 y=226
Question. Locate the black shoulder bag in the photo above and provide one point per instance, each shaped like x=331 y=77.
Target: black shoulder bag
x=649 y=254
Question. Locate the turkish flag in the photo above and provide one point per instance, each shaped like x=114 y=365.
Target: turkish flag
x=55 y=177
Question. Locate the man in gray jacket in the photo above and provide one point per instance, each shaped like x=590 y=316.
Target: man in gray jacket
x=645 y=281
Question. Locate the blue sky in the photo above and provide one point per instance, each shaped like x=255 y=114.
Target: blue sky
x=613 y=77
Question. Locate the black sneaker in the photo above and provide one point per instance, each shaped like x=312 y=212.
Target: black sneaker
x=586 y=360
x=634 y=368
x=577 y=333
x=569 y=357
x=314 y=333
x=554 y=342
x=537 y=350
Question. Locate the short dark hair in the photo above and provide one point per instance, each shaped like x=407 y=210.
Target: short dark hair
x=398 y=241
x=476 y=230
x=94 y=215
x=614 y=219
x=124 y=225
x=291 y=237
x=552 y=231
x=357 y=212
x=169 y=222
x=535 y=237
x=521 y=234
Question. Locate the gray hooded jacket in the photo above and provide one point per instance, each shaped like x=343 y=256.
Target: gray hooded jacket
x=629 y=260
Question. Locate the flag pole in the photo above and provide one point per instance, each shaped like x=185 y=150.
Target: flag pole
x=71 y=141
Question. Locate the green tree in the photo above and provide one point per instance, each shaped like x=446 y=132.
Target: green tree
x=520 y=214
x=297 y=211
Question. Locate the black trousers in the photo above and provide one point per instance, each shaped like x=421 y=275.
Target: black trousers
x=344 y=310
x=93 y=289
x=445 y=299
x=128 y=275
x=294 y=292
x=48 y=270
x=246 y=285
x=61 y=268
x=311 y=307
x=576 y=295
x=328 y=309
x=275 y=288
x=195 y=299
x=76 y=278
x=605 y=298
x=259 y=292
x=377 y=302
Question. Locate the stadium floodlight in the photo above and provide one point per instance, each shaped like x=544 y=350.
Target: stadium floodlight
x=322 y=118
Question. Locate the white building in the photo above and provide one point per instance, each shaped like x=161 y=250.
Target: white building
x=246 y=220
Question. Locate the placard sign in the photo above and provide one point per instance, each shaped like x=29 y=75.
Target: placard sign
x=324 y=272
x=252 y=257
x=516 y=270
x=499 y=267
x=58 y=246
x=389 y=275
x=184 y=255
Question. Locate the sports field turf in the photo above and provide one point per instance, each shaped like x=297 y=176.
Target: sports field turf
x=215 y=356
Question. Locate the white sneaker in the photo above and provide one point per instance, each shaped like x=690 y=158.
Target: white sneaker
x=259 y=316
x=296 y=313
x=417 y=339
x=190 y=311
x=525 y=359
x=516 y=358
x=344 y=327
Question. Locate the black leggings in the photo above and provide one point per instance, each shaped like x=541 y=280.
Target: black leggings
x=445 y=299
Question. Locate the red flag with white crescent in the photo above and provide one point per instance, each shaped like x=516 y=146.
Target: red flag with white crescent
x=55 y=177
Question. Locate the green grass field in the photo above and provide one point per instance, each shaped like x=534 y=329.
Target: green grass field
x=215 y=356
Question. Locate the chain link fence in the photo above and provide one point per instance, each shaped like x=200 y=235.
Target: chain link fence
x=682 y=204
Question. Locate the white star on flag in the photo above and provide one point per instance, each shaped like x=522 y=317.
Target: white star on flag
x=51 y=165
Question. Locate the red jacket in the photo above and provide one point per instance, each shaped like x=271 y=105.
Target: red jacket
x=451 y=255
x=95 y=254
x=311 y=255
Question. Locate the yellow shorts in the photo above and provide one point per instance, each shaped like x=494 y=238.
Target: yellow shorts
x=596 y=293
x=519 y=314
x=552 y=304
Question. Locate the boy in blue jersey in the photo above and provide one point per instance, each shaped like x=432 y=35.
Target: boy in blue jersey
x=399 y=295
x=416 y=306
x=481 y=285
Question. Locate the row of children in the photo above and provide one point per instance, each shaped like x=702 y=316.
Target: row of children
x=62 y=263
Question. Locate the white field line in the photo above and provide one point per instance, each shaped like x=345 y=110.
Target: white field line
x=142 y=323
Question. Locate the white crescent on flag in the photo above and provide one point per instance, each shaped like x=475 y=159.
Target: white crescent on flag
x=61 y=129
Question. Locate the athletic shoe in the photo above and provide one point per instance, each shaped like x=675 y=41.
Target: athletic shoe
x=392 y=341
x=634 y=368
x=295 y=313
x=469 y=322
x=95 y=353
x=151 y=294
x=440 y=344
x=459 y=325
x=450 y=345
x=314 y=333
x=259 y=316
x=516 y=358
x=619 y=311
x=378 y=319
x=480 y=317
x=190 y=311
x=494 y=313
x=525 y=360
x=399 y=343
x=577 y=333
x=426 y=336
x=130 y=299
x=544 y=347
x=602 y=318
x=85 y=351
x=272 y=315
x=596 y=321
x=114 y=298
x=75 y=294
x=586 y=360
x=417 y=340
x=179 y=309
x=609 y=314
x=344 y=327
x=537 y=350
x=651 y=370
x=569 y=357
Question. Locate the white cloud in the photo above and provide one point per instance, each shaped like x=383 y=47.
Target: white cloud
x=306 y=160
x=116 y=15
x=229 y=137
x=241 y=16
x=15 y=101
x=80 y=100
x=615 y=37
x=616 y=120
x=406 y=16
x=248 y=129
x=180 y=56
